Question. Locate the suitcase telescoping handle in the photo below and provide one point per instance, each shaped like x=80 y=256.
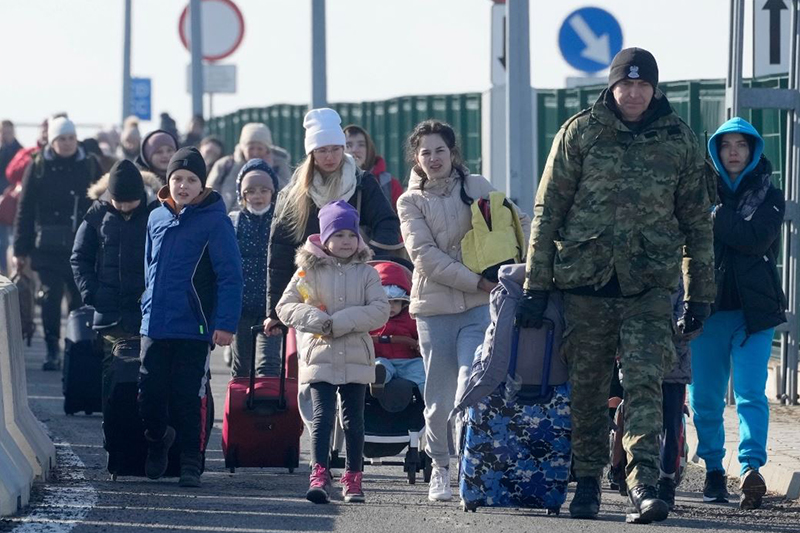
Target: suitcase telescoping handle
x=548 y=355
x=255 y=331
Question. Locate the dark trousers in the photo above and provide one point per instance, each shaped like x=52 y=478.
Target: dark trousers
x=323 y=395
x=172 y=380
x=672 y=443
x=55 y=277
x=268 y=349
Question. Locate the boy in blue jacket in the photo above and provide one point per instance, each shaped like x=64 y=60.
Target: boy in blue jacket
x=192 y=301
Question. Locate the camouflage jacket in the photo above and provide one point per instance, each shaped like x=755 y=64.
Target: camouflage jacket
x=616 y=201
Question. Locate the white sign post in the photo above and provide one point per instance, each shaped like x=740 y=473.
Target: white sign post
x=771 y=27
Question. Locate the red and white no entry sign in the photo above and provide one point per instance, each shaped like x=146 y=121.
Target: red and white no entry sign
x=222 y=26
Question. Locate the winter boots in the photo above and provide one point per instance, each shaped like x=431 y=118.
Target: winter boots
x=52 y=360
x=158 y=453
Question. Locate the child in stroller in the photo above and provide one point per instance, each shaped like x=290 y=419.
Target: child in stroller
x=393 y=414
x=396 y=343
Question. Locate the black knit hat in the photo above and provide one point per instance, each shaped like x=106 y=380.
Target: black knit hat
x=188 y=158
x=125 y=182
x=633 y=64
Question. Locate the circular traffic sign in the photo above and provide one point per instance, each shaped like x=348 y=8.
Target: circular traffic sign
x=589 y=39
x=222 y=25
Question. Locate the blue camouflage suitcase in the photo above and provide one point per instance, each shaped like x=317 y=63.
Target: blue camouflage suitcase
x=516 y=449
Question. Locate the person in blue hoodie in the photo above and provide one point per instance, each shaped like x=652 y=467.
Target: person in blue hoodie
x=749 y=304
x=192 y=301
x=256 y=186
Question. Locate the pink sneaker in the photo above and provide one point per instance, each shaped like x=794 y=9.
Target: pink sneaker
x=319 y=485
x=351 y=487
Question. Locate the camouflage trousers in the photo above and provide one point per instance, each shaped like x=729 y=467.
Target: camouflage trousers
x=639 y=330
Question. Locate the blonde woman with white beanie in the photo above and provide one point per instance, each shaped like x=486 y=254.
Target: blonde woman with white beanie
x=327 y=174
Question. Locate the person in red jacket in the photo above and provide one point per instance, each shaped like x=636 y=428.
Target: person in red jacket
x=396 y=343
x=361 y=146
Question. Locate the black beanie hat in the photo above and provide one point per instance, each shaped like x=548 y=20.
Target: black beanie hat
x=633 y=64
x=188 y=158
x=125 y=182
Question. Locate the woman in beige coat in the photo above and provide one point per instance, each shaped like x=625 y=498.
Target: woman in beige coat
x=449 y=301
x=333 y=301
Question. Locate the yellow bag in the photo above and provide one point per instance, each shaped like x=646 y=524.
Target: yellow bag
x=496 y=237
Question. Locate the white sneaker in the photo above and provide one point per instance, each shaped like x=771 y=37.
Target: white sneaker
x=439 y=487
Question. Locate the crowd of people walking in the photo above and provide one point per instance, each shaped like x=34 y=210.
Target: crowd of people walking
x=663 y=250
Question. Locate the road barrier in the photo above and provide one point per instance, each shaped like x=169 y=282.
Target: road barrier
x=26 y=452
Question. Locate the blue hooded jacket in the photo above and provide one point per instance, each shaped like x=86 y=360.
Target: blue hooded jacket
x=193 y=271
x=736 y=125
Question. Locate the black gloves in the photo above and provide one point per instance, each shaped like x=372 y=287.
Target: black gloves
x=531 y=309
x=695 y=313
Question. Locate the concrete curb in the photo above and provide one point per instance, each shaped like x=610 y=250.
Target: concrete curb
x=27 y=450
x=781 y=473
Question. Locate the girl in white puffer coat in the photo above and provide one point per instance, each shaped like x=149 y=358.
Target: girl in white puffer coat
x=333 y=301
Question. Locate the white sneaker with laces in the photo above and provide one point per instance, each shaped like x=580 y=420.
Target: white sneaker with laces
x=439 y=487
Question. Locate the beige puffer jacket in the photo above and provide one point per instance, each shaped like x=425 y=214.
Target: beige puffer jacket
x=433 y=222
x=333 y=343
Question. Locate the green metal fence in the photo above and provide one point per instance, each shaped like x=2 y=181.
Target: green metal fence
x=389 y=122
x=701 y=103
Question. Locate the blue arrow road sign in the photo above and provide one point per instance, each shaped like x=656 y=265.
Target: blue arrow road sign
x=140 y=98
x=590 y=38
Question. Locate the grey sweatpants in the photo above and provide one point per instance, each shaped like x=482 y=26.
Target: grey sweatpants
x=448 y=344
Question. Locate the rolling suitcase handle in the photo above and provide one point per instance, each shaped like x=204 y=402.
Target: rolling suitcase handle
x=255 y=331
x=512 y=365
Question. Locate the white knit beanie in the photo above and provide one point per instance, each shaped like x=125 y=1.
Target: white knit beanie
x=255 y=132
x=323 y=128
x=59 y=126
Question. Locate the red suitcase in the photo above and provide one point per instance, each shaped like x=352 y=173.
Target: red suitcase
x=262 y=424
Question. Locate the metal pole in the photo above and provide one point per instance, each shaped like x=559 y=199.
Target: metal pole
x=521 y=180
x=319 y=76
x=792 y=182
x=126 y=63
x=733 y=83
x=197 y=57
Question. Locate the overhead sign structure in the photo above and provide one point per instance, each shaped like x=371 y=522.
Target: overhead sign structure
x=216 y=78
x=589 y=39
x=141 y=92
x=222 y=28
x=771 y=29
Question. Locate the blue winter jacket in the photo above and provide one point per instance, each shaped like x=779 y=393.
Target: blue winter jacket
x=193 y=271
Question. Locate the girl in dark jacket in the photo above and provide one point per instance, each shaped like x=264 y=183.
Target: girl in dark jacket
x=327 y=174
x=748 y=306
x=256 y=185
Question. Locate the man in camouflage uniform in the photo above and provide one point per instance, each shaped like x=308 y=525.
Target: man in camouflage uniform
x=621 y=203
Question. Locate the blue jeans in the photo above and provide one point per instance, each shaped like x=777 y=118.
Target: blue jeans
x=447 y=343
x=724 y=343
x=410 y=369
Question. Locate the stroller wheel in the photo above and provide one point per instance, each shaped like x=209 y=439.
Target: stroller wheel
x=427 y=467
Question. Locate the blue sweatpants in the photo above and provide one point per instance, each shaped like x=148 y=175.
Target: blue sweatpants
x=722 y=345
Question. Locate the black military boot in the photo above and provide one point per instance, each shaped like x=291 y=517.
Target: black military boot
x=158 y=453
x=586 y=502
x=190 y=470
x=53 y=358
x=666 y=491
x=645 y=506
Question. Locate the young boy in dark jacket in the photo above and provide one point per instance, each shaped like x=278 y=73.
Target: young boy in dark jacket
x=256 y=185
x=192 y=301
x=108 y=255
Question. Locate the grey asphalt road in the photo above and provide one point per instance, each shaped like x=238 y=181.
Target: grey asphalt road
x=267 y=500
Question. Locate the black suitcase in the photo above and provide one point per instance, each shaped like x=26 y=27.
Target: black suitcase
x=81 y=381
x=123 y=430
